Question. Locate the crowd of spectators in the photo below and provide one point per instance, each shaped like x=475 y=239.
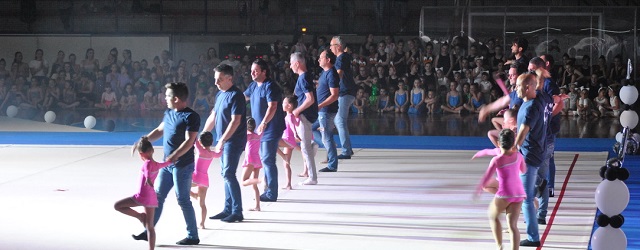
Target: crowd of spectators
x=427 y=74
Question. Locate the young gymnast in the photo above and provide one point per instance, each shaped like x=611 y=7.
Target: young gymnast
x=431 y=102
x=507 y=187
x=289 y=138
x=252 y=163
x=401 y=99
x=146 y=195
x=360 y=103
x=417 y=104
x=204 y=155
x=383 y=103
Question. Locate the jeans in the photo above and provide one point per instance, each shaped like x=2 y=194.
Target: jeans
x=229 y=165
x=268 y=151
x=181 y=178
x=344 y=103
x=552 y=167
x=528 y=209
x=325 y=121
x=304 y=131
x=543 y=173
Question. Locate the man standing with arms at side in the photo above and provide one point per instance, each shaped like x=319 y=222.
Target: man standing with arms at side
x=228 y=118
x=327 y=93
x=265 y=97
x=347 y=94
x=530 y=140
x=306 y=112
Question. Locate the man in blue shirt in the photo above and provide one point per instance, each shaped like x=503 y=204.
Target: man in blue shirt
x=179 y=130
x=546 y=91
x=307 y=112
x=348 y=89
x=530 y=139
x=327 y=93
x=228 y=118
x=265 y=97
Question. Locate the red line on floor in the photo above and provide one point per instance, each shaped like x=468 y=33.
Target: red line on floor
x=555 y=208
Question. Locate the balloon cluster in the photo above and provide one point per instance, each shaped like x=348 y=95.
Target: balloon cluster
x=613 y=170
x=612 y=194
x=612 y=197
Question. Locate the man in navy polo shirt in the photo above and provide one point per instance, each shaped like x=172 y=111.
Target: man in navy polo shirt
x=348 y=89
x=228 y=118
x=531 y=140
x=265 y=97
x=327 y=93
x=307 y=112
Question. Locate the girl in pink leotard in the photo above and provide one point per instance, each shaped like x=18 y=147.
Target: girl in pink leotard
x=252 y=163
x=289 y=139
x=509 y=191
x=146 y=195
x=204 y=156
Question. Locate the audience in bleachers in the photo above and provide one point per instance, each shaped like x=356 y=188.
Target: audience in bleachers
x=121 y=84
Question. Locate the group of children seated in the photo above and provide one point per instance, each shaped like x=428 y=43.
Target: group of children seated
x=607 y=103
x=417 y=100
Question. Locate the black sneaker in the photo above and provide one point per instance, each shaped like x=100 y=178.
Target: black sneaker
x=527 y=243
x=141 y=236
x=264 y=198
x=327 y=170
x=187 y=241
x=233 y=218
x=219 y=216
x=542 y=221
x=344 y=157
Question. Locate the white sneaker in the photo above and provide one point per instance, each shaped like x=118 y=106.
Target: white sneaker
x=308 y=182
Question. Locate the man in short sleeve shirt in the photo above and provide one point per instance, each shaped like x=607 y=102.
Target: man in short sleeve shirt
x=228 y=118
x=348 y=89
x=265 y=97
x=327 y=97
x=307 y=112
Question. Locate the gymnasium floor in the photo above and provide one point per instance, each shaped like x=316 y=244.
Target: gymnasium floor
x=59 y=187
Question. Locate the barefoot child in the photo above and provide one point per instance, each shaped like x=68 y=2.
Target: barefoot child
x=252 y=163
x=289 y=137
x=146 y=195
x=204 y=156
x=507 y=187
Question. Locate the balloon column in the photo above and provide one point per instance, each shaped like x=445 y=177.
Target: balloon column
x=612 y=194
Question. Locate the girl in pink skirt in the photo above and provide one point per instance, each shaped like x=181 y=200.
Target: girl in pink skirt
x=252 y=163
x=204 y=156
x=146 y=195
x=507 y=187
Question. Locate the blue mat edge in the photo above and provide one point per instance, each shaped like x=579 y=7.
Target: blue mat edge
x=357 y=141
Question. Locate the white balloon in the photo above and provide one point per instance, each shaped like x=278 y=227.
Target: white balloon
x=12 y=111
x=619 y=137
x=629 y=118
x=628 y=94
x=612 y=197
x=89 y=122
x=608 y=238
x=50 y=116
